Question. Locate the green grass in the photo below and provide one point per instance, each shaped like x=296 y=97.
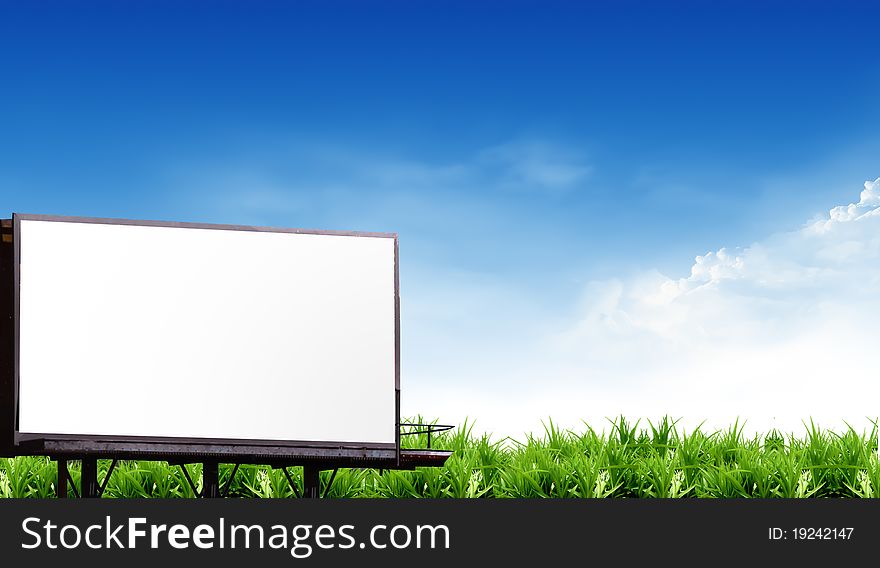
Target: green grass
x=623 y=460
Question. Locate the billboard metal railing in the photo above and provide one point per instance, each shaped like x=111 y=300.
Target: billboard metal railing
x=428 y=429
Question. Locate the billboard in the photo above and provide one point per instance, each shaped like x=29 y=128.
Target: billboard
x=152 y=333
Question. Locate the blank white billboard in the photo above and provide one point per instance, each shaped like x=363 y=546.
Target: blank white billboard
x=183 y=332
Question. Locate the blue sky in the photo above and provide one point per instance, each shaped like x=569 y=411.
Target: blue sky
x=532 y=155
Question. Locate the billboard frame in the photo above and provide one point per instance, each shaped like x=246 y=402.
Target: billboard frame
x=185 y=448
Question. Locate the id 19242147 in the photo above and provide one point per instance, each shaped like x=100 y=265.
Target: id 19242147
x=810 y=533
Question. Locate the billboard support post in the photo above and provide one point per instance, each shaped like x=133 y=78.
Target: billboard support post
x=311 y=481
x=89 y=478
x=210 y=479
x=61 y=487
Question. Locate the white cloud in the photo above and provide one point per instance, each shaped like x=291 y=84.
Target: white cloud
x=869 y=200
x=535 y=165
x=777 y=332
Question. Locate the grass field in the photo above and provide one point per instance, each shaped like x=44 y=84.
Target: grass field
x=623 y=460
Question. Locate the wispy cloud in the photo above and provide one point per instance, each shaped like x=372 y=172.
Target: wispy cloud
x=536 y=166
x=322 y=176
